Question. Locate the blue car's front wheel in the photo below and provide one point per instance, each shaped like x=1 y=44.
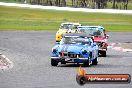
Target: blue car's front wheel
x=54 y=62
x=88 y=62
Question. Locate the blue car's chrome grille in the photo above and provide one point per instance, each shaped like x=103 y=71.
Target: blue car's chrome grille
x=69 y=55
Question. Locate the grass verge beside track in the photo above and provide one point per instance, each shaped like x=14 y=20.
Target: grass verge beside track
x=14 y=18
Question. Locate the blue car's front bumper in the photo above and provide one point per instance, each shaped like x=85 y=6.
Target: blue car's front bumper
x=70 y=60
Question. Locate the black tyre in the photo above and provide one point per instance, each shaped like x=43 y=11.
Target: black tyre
x=80 y=80
x=103 y=53
x=95 y=61
x=87 y=63
x=54 y=62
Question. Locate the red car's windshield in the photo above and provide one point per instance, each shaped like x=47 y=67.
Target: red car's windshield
x=92 y=31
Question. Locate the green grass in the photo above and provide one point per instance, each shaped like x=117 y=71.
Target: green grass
x=12 y=18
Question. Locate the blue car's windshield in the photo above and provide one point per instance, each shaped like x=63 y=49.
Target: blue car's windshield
x=92 y=31
x=75 y=40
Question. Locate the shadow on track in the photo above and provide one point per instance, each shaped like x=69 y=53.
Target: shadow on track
x=95 y=66
x=114 y=56
x=74 y=65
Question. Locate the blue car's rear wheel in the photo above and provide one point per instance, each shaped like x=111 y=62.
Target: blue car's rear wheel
x=54 y=62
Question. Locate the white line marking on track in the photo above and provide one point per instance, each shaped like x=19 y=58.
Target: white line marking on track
x=5 y=63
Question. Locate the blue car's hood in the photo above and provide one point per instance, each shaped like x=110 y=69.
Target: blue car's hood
x=70 y=48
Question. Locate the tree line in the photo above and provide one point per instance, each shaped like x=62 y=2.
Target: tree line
x=94 y=4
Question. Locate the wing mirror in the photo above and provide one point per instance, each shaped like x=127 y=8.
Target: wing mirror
x=94 y=44
x=107 y=36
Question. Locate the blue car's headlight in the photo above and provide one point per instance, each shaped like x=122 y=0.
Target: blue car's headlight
x=84 y=52
x=54 y=50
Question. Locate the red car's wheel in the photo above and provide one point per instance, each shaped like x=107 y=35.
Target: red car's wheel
x=103 y=53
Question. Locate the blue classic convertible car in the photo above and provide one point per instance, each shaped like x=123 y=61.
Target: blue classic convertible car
x=75 y=48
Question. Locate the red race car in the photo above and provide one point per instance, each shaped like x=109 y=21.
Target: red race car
x=100 y=37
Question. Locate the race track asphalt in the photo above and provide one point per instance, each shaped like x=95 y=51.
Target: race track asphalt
x=30 y=53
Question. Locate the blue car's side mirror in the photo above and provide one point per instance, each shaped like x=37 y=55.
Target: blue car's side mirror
x=94 y=44
x=107 y=36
